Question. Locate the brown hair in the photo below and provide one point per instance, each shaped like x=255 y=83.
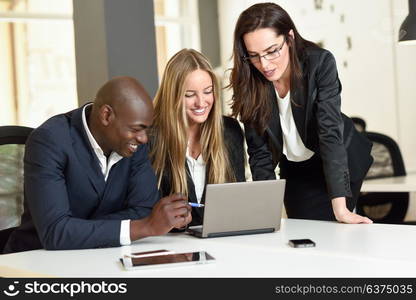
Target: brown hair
x=251 y=89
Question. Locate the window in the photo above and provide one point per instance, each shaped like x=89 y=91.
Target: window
x=177 y=27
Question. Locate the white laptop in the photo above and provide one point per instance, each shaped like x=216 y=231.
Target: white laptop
x=241 y=208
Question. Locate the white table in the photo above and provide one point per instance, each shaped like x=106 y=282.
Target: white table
x=341 y=250
x=391 y=184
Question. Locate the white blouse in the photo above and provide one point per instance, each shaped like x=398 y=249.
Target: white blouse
x=293 y=147
x=197 y=170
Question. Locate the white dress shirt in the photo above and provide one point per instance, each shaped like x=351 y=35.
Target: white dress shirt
x=197 y=170
x=106 y=166
x=293 y=147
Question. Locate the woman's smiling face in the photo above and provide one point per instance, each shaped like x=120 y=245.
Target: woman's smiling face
x=199 y=96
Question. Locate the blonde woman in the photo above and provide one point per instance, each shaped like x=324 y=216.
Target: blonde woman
x=192 y=143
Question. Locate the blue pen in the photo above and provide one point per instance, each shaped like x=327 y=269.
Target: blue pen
x=193 y=204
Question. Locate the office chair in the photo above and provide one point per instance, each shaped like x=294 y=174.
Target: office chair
x=359 y=124
x=383 y=207
x=12 y=141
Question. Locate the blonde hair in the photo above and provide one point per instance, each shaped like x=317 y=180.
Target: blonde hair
x=170 y=128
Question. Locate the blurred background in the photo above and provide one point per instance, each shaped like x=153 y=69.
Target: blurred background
x=37 y=61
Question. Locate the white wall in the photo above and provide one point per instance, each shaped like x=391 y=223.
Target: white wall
x=379 y=75
x=406 y=89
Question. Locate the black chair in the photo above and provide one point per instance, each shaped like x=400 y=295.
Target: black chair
x=12 y=141
x=384 y=207
x=359 y=123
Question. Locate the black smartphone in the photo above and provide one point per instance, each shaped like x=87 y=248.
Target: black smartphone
x=301 y=243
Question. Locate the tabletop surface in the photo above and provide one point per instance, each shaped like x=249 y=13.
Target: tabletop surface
x=342 y=250
x=391 y=184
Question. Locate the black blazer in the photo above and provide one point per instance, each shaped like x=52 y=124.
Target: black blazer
x=234 y=140
x=68 y=204
x=345 y=153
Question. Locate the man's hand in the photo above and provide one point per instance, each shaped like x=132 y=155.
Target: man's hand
x=344 y=215
x=169 y=212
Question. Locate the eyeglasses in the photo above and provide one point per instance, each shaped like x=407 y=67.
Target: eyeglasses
x=270 y=55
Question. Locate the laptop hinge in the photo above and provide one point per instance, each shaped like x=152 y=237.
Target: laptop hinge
x=240 y=232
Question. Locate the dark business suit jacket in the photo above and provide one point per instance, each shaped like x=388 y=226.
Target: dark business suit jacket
x=234 y=141
x=68 y=204
x=345 y=153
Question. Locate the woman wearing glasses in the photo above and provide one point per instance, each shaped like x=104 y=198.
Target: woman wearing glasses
x=287 y=94
x=192 y=143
